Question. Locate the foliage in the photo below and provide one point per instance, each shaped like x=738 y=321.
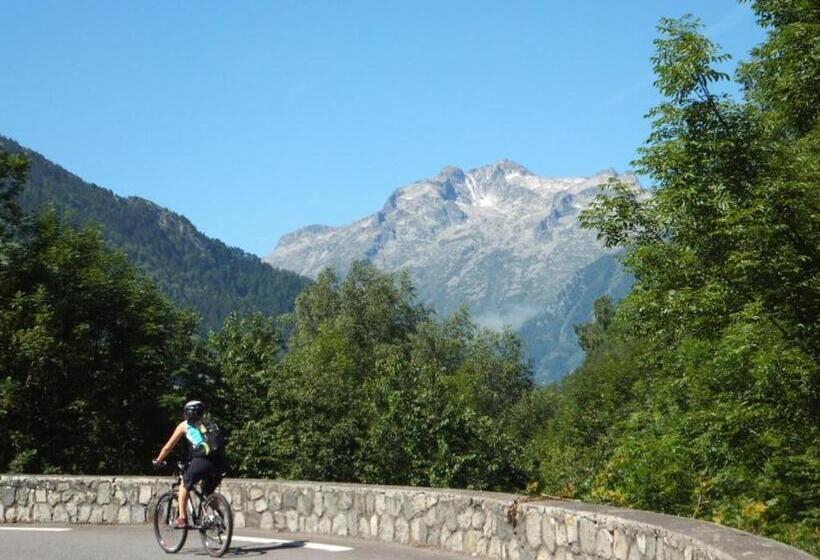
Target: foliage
x=87 y=350
x=373 y=389
x=700 y=396
x=13 y=169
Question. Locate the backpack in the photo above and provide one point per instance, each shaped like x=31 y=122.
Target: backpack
x=214 y=438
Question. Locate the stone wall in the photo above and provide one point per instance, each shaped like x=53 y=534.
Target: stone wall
x=485 y=524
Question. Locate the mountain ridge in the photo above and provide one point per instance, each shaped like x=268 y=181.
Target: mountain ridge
x=497 y=238
x=192 y=269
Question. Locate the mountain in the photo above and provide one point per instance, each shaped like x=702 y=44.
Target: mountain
x=550 y=338
x=194 y=270
x=498 y=238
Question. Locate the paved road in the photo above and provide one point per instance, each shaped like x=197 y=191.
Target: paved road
x=88 y=542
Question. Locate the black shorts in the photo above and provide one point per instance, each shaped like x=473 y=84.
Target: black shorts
x=209 y=470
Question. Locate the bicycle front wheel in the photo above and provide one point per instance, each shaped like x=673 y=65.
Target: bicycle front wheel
x=216 y=529
x=166 y=512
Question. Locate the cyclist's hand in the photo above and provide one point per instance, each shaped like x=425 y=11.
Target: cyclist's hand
x=159 y=464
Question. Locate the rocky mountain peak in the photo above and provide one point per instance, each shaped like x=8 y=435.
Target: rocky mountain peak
x=498 y=238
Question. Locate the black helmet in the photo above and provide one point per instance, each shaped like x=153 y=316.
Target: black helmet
x=193 y=410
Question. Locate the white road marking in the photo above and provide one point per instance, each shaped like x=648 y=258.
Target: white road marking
x=313 y=545
x=44 y=529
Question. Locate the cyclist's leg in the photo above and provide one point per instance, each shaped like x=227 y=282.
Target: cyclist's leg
x=196 y=471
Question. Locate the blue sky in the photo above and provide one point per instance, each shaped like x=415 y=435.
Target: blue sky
x=256 y=118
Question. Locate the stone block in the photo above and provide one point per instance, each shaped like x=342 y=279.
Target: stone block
x=477 y=521
x=464 y=519
x=494 y=550
x=418 y=531
x=23 y=497
x=431 y=516
x=620 y=546
x=442 y=537
x=312 y=523
x=339 y=526
x=471 y=539
x=302 y=504
x=433 y=535
x=84 y=513
x=138 y=513
x=587 y=536
x=260 y=505
x=447 y=514
x=379 y=503
x=103 y=493
x=96 y=516
x=266 y=521
x=533 y=528
x=53 y=498
x=417 y=505
x=239 y=519
x=364 y=527
x=603 y=544
x=401 y=531
x=345 y=501
x=548 y=533
x=386 y=528
x=331 y=503
x=571 y=523
x=513 y=550
x=41 y=514
x=289 y=497
x=544 y=554
x=455 y=541
x=352 y=522
x=292 y=520
x=40 y=495
x=8 y=496
x=318 y=504
x=59 y=514
x=325 y=525
x=392 y=506
x=145 y=494
x=252 y=519
x=255 y=493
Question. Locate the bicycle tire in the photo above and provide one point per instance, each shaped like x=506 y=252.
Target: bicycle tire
x=165 y=514
x=217 y=525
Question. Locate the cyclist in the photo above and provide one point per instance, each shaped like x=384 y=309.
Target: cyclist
x=204 y=465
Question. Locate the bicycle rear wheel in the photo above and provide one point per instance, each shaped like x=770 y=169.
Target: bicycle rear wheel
x=166 y=512
x=216 y=528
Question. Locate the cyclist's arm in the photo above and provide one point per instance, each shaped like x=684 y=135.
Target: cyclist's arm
x=172 y=441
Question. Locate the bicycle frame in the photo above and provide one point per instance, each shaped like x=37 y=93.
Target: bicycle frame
x=195 y=498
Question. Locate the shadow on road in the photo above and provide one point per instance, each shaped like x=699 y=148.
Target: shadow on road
x=251 y=549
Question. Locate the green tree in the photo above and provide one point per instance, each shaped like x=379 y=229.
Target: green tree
x=88 y=348
x=13 y=169
x=700 y=396
x=590 y=335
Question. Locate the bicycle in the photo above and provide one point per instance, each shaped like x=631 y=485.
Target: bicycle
x=210 y=515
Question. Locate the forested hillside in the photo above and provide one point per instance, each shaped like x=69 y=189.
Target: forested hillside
x=194 y=270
